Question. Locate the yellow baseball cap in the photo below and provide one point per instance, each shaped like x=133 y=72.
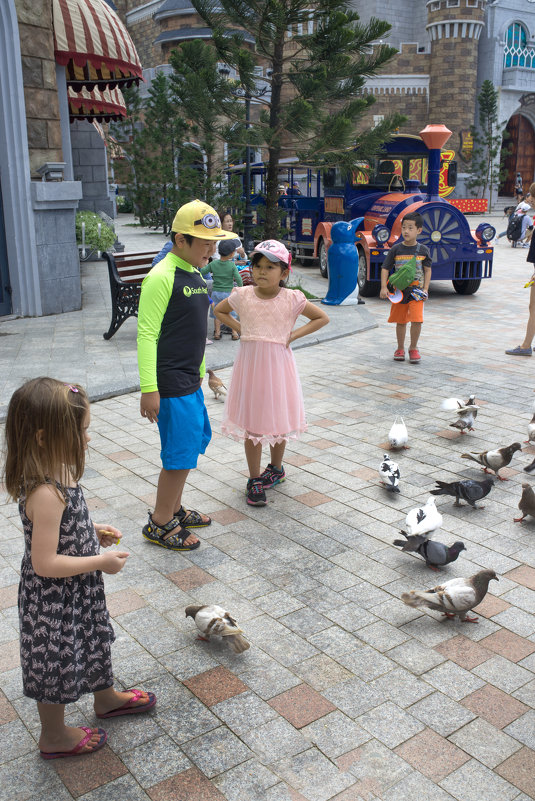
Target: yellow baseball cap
x=201 y=220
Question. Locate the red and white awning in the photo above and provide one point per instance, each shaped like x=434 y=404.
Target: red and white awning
x=101 y=105
x=92 y=43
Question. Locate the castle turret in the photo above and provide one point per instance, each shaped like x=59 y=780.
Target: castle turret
x=454 y=29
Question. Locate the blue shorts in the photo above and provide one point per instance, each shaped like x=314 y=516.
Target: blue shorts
x=184 y=430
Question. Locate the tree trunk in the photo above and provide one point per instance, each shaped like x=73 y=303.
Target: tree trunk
x=271 y=224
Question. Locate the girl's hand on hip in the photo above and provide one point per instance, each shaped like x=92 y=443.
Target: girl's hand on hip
x=113 y=561
x=107 y=535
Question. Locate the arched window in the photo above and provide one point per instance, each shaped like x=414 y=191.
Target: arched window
x=517 y=53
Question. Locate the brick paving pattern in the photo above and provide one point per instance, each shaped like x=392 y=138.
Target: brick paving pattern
x=346 y=693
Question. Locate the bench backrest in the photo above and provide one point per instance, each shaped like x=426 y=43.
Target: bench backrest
x=131 y=268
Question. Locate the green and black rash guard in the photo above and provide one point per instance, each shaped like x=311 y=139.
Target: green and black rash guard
x=171 y=329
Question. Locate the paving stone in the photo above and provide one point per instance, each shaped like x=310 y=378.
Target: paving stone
x=432 y=755
x=401 y=687
x=390 y=724
x=187 y=720
x=474 y=782
x=246 y=782
x=353 y=697
x=155 y=761
x=126 y=788
x=382 y=636
x=463 y=651
x=314 y=774
x=274 y=740
x=503 y=673
x=416 y=786
x=217 y=751
x=81 y=776
x=215 y=685
x=415 y=656
x=305 y=621
x=269 y=680
x=441 y=713
x=376 y=767
x=509 y=645
x=519 y=770
x=188 y=662
x=367 y=663
x=301 y=705
x=190 y=784
x=244 y=712
x=523 y=575
x=485 y=742
x=523 y=729
x=494 y=705
x=335 y=734
x=516 y=620
x=20 y=778
x=453 y=680
x=320 y=672
x=334 y=641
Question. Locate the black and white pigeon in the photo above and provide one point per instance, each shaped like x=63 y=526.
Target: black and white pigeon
x=467 y=415
x=526 y=503
x=455 y=597
x=467 y=490
x=398 y=436
x=436 y=554
x=389 y=473
x=423 y=519
x=214 y=620
x=454 y=404
x=494 y=460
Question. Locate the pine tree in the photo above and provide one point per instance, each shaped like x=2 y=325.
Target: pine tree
x=315 y=57
x=488 y=155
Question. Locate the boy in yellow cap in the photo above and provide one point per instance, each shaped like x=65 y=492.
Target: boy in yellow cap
x=172 y=324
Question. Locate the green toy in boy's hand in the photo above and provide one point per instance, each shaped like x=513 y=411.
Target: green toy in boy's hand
x=404 y=277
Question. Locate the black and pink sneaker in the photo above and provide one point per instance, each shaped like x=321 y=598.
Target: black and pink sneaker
x=255 y=492
x=272 y=476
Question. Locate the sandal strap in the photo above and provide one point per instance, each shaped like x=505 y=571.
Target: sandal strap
x=167 y=527
x=191 y=517
x=177 y=539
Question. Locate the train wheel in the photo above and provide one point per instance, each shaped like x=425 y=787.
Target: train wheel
x=467 y=287
x=368 y=289
x=322 y=258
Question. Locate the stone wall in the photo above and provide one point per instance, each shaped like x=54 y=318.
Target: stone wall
x=39 y=77
x=90 y=167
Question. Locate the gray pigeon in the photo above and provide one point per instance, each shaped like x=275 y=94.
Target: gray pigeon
x=216 y=620
x=526 y=503
x=494 y=460
x=436 y=554
x=468 y=490
x=467 y=415
x=389 y=473
x=455 y=597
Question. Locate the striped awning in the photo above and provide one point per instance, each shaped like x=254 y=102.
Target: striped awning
x=93 y=45
x=101 y=105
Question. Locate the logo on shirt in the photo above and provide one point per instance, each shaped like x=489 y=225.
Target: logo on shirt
x=189 y=291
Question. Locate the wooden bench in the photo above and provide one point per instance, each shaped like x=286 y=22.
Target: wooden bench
x=126 y=272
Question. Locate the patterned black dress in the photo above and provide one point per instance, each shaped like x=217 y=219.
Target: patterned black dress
x=65 y=629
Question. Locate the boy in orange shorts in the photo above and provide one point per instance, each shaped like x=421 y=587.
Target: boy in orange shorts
x=413 y=311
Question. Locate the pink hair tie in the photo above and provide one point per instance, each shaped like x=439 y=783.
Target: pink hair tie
x=72 y=389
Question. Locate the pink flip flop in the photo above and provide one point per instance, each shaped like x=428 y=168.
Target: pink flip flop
x=77 y=750
x=128 y=708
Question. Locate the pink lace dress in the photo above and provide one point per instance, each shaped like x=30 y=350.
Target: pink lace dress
x=265 y=399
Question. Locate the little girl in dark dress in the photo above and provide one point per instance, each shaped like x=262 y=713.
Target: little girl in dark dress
x=65 y=630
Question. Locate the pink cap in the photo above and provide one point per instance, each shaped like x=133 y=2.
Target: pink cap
x=274 y=251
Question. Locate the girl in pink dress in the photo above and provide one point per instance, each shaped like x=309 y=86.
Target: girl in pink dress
x=265 y=400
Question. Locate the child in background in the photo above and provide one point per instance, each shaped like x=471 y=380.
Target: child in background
x=225 y=273
x=413 y=311
x=265 y=401
x=65 y=629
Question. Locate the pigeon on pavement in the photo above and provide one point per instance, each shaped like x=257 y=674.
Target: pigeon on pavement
x=494 y=460
x=216 y=385
x=454 y=404
x=398 y=435
x=436 y=554
x=389 y=473
x=423 y=519
x=468 y=490
x=526 y=503
x=467 y=416
x=455 y=597
x=531 y=429
x=214 y=619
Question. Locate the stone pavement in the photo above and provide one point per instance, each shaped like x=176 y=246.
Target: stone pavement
x=345 y=694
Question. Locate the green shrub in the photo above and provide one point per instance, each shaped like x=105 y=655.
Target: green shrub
x=125 y=204
x=92 y=239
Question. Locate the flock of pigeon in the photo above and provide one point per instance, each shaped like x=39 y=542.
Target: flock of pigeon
x=458 y=596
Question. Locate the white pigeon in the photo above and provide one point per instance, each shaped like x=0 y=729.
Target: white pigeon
x=455 y=597
x=213 y=619
x=389 y=473
x=453 y=404
x=398 y=435
x=423 y=519
x=531 y=428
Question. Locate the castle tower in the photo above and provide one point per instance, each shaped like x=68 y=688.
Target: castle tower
x=454 y=28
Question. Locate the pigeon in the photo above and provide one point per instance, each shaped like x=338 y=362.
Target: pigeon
x=526 y=503
x=455 y=597
x=454 y=404
x=216 y=385
x=389 y=473
x=467 y=416
x=529 y=467
x=216 y=620
x=435 y=553
x=398 y=435
x=494 y=460
x=468 y=490
x=531 y=429
x=423 y=520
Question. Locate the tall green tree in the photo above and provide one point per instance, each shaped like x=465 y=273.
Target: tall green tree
x=488 y=154
x=318 y=55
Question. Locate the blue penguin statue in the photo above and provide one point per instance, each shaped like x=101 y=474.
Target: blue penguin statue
x=343 y=261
